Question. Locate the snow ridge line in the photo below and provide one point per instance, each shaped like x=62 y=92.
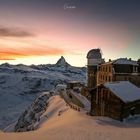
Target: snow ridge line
x=29 y=120
x=72 y=105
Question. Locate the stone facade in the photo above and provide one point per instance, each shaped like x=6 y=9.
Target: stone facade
x=105 y=103
x=109 y=72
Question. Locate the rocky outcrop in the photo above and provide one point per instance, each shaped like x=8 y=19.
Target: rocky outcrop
x=29 y=120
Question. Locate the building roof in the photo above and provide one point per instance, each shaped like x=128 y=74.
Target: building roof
x=125 y=90
x=94 y=54
x=123 y=61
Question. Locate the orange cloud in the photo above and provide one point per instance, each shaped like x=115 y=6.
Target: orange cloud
x=8 y=55
x=1 y=58
x=13 y=54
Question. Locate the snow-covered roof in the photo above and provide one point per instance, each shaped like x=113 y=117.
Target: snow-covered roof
x=124 y=61
x=125 y=90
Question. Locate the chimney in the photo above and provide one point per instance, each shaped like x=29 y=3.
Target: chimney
x=109 y=60
x=129 y=59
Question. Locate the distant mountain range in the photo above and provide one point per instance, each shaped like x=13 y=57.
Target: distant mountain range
x=20 y=84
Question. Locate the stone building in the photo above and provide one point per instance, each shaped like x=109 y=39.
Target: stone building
x=122 y=69
x=102 y=76
x=117 y=100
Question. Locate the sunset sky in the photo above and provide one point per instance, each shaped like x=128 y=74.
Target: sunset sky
x=40 y=31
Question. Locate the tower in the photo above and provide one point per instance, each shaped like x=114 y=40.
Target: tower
x=94 y=59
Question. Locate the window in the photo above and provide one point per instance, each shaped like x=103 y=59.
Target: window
x=106 y=69
x=109 y=68
x=100 y=76
x=109 y=78
x=100 y=68
x=106 y=78
x=135 y=69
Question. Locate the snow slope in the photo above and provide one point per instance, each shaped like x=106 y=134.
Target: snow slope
x=21 y=84
x=64 y=123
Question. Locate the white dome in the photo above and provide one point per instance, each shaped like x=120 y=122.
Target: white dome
x=94 y=54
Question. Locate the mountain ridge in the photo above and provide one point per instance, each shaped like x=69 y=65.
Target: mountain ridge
x=62 y=62
x=21 y=84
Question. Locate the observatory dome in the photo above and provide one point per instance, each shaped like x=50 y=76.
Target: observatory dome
x=94 y=54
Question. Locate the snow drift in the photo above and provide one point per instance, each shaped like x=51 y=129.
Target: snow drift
x=63 y=123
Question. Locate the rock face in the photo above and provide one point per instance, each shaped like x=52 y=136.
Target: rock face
x=62 y=62
x=21 y=84
x=29 y=119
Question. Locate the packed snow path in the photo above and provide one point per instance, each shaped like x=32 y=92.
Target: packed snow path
x=73 y=125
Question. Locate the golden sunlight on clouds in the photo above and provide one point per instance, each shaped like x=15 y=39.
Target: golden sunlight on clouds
x=38 y=51
x=71 y=40
x=50 y=59
x=8 y=55
x=11 y=49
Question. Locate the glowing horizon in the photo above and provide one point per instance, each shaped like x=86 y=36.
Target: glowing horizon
x=40 y=32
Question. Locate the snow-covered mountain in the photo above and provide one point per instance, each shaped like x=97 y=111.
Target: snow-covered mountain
x=21 y=84
x=62 y=62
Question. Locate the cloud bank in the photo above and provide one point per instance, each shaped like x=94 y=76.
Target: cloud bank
x=13 y=54
x=14 y=32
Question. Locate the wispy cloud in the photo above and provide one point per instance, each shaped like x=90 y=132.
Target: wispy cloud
x=14 y=32
x=6 y=59
x=13 y=54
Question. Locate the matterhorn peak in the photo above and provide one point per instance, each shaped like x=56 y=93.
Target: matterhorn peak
x=62 y=62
